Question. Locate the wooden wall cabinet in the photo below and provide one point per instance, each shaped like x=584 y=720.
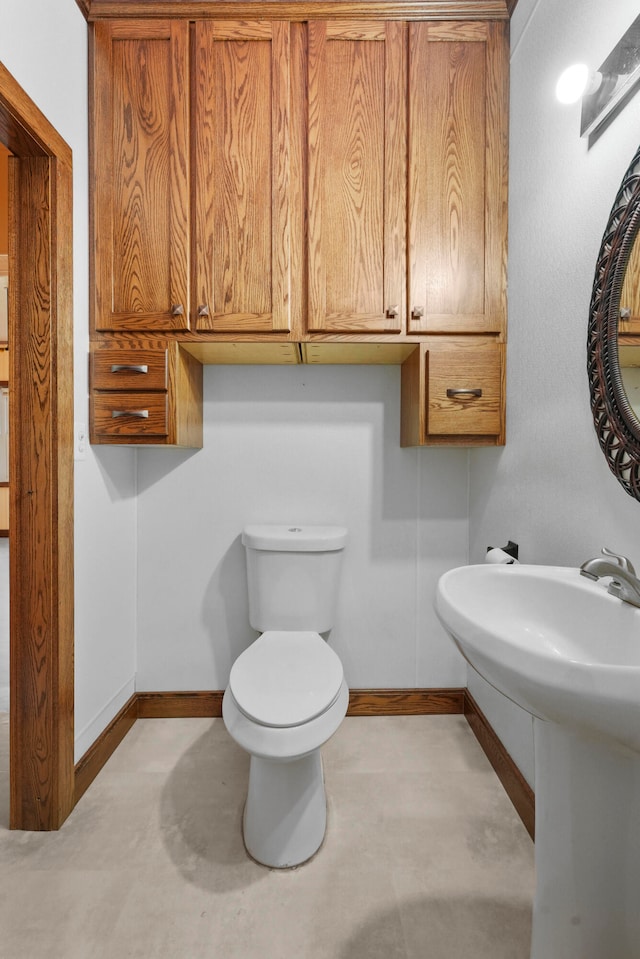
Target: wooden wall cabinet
x=140 y=176
x=458 y=108
x=357 y=176
x=453 y=393
x=242 y=157
x=397 y=245
x=312 y=186
x=145 y=394
x=147 y=223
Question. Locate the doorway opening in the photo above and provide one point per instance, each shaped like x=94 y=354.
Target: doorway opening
x=40 y=376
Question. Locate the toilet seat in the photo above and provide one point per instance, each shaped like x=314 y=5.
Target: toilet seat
x=286 y=678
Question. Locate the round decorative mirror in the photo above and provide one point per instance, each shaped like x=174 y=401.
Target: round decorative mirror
x=613 y=344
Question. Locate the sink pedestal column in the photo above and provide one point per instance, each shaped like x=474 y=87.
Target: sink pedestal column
x=587 y=850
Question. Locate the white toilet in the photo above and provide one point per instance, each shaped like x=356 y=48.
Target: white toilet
x=287 y=694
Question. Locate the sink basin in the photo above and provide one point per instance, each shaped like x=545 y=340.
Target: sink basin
x=568 y=652
x=553 y=641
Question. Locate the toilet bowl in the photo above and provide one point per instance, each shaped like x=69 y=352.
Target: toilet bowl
x=287 y=694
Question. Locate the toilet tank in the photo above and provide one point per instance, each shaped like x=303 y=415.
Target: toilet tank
x=293 y=574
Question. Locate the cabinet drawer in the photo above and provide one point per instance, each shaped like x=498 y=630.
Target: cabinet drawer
x=464 y=392
x=129 y=370
x=130 y=414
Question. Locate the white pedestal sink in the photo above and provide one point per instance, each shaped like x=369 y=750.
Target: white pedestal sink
x=565 y=650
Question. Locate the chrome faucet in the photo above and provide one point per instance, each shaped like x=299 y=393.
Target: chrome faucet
x=624 y=582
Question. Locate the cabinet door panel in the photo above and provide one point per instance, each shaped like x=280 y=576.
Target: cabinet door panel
x=141 y=175
x=357 y=175
x=242 y=156
x=457 y=177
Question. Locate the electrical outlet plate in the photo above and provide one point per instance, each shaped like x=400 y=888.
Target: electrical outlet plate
x=80 y=441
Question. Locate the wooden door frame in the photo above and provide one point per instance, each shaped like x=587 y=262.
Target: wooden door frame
x=41 y=464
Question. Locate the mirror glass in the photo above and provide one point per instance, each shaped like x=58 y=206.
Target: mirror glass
x=629 y=331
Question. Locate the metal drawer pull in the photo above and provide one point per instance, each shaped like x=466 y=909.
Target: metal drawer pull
x=139 y=414
x=417 y=312
x=203 y=310
x=177 y=309
x=129 y=368
x=463 y=392
x=392 y=312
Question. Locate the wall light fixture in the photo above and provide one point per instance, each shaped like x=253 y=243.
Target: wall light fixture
x=604 y=92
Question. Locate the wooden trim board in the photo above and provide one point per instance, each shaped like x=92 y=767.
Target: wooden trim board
x=299 y=9
x=515 y=785
x=362 y=702
x=104 y=747
x=180 y=705
x=405 y=702
x=41 y=463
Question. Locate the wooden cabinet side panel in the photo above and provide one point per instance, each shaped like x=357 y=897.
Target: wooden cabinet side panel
x=185 y=400
x=497 y=176
x=412 y=406
x=141 y=176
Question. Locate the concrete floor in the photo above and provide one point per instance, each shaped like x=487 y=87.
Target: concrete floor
x=424 y=856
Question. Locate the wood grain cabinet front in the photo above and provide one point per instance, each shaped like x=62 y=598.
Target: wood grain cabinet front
x=407 y=177
x=309 y=183
x=457 y=194
x=145 y=396
x=453 y=393
x=356 y=144
x=242 y=180
x=202 y=210
x=140 y=175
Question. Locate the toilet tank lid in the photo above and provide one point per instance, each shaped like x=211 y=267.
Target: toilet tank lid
x=295 y=538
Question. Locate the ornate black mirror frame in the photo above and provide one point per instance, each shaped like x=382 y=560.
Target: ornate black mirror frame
x=617 y=426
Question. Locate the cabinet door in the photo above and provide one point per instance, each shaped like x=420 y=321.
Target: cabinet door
x=242 y=159
x=357 y=176
x=457 y=177
x=141 y=175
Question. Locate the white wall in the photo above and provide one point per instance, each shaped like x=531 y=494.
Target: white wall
x=303 y=444
x=550 y=488
x=43 y=44
x=4 y=625
x=321 y=444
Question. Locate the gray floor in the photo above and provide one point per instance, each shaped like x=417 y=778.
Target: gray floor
x=424 y=856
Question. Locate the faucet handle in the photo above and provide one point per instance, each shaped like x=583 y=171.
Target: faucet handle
x=622 y=561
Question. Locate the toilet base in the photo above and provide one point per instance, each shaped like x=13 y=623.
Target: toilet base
x=285 y=816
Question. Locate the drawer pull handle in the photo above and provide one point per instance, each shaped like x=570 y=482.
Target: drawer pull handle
x=417 y=312
x=463 y=392
x=129 y=368
x=203 y=310
x=392 y=312
x=138 y=414
x=177 y=309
